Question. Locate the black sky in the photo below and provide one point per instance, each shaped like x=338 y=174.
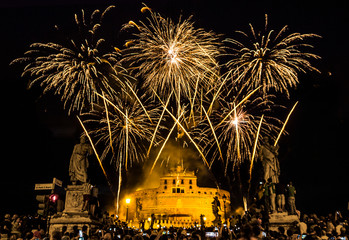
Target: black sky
x=39 y=136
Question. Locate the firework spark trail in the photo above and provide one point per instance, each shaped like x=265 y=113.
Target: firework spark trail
x=172 y=56
x=119 y=190
x=158 y=124
x=235 y=125
x=236 y=120
x=139 y=101
x=215 y=137
x=129 y=126
x=192 y=101
x=241 y=102
x=270 y=61
x=164 y=143
x=184 y=130
x=126 y=140
x=255 y=147
x=112 y=148
x=217 y=94
x=109 y=129
x=190 y=138
x=105 y=99
x=94 y=149
x=284 y=125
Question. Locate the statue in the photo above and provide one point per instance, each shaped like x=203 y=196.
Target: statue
x=202 y=221
x=79 y=162
x=138 y=208
x=216 y=206
x=268 y=154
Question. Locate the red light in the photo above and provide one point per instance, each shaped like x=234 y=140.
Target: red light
x=53 y=198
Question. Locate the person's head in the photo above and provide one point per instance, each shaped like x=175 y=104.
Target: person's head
x=281 y=230
x=13 y=237
x=343 y=230
x=37 y=234
x=29 y=235
x=247 y=231
x=56 y=235
x=289 y=232
x=94 y=237
x=42 y=232
x=107 y=236
x=138 y=237
x=75 y=229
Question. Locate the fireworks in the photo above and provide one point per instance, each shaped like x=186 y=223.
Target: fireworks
x=124 y=129
x=172 y=56
x=79 y=71
x=270 y=60
x=234 y=126
x=176 y=66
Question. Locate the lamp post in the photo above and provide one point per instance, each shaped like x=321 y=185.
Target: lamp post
x=127 y=203
x=225 y=212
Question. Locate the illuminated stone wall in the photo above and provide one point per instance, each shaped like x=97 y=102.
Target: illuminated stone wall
x=178 y=201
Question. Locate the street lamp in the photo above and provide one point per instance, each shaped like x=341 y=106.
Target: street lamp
x=225 y=212
x=128 y=200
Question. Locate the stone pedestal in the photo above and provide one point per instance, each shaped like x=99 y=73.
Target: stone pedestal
x=281 y=220
x=74 y=199
x=73 y=214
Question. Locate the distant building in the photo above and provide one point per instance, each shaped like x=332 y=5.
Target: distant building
x=178 y=201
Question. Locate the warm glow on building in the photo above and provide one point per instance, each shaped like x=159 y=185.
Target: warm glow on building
x=178 y=201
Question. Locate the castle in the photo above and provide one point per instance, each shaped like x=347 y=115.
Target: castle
x=178 y=201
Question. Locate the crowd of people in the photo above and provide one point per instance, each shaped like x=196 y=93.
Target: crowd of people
x=333 y=226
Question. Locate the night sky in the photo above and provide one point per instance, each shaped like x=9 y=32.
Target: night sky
x=38 y=136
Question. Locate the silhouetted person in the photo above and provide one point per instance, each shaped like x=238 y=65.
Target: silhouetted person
x=291 y=192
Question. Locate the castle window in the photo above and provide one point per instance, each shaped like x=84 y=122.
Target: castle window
x=165 y=181
x=190 y=181
x=190 y=187
x=182 y=181
x=165 y=187
x=177 y=190
x=174 y=181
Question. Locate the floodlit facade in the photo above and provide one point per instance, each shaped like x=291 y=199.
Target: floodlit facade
x=178 y=201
